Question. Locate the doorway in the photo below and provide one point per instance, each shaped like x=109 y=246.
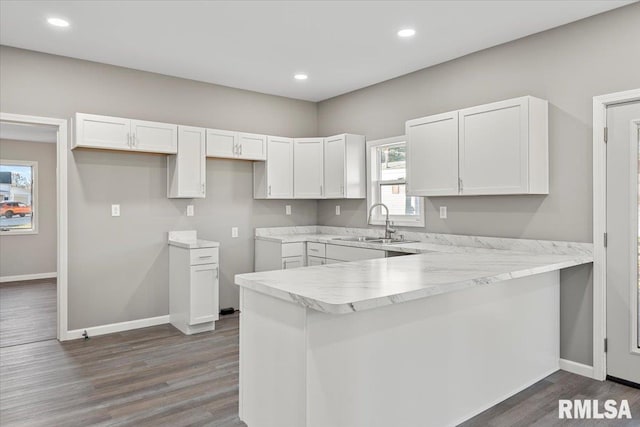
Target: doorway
x=33 y=228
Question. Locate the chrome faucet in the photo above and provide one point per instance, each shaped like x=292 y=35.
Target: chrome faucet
x=388 y=231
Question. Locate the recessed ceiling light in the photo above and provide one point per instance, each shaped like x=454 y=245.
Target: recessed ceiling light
x=407 y=32
x=301 y=77
x=58 y=22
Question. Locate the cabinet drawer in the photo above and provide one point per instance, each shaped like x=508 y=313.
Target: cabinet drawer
x=316 y=249
x=348 y=253
x=204 y=256
x=292 y=249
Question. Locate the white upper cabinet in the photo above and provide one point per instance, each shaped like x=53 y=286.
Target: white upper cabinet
x=273 y=179
x=492 y=149
x=344 y=167
x=186 y=171
x=116 y=133
x=504 y=148
x=432 y=155
x=236 y=145
x=222 y=143
x=308 y=168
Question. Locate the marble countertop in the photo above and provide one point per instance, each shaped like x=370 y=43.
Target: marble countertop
x=188 y=239
x=441 y=263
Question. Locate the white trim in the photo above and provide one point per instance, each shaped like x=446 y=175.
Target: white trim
x=634 y=341
x=34 y=197
x=576 y=368
x=600 y=104
x=62 y=226
x=401 y=221
x=22 y=277
x=118 y=327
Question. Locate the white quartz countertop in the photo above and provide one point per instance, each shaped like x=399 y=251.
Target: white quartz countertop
x=188 y=239
x=441 y=263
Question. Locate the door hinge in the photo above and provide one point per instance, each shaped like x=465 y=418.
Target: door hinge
x=606 y=345
x=606 y=135
x=605 y=239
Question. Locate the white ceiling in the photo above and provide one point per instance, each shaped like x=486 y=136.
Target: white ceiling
x=260 y=45
x=27 y=132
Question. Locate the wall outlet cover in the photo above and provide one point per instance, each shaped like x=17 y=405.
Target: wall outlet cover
x=287 y=209
x=443 y=212
x=234 y=231
x=115 y=210
x=190 y=210
x=337 y=209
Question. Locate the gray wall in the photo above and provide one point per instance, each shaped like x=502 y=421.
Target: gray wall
x=33 y=253
x=118 y=267
x=567 y=66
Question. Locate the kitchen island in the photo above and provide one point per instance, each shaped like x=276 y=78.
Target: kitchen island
x=429 y=339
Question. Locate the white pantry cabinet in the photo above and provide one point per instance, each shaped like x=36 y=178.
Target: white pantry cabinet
x=193 y=288
x=491 y=149
x=432 y=155
x=344 y=167
x=186 y=170
x=117 y=133
x=236 y=145
x=308 y=168
x=273 y=178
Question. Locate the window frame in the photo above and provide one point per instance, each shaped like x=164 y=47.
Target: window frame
x=34 y=197
x=374 y=185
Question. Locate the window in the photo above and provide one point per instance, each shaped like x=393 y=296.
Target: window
x=386 y=159
x=18 y=197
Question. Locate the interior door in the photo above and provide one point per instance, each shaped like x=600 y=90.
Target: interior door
x=154 y=137
x=623 y=354
x=308 y=169
x=279 y=167
x=334 y=164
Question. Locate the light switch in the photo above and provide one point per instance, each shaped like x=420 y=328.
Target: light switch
x=115 y=210
x=443 y=212
x=337 y=209
x=190 y=210
x=234 y=231
x=287 y=209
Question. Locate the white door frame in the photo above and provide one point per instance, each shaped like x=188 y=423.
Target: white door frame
x=600 y=104
x=62 y=224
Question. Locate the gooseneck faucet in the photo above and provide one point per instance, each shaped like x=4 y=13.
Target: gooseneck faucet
x=388 y=231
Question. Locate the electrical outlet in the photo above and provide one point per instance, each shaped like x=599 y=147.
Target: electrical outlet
x=190 y=210
x=234 y=231
x=287 y=209
x=443 y=212
x=337 y=209
x=115 y=210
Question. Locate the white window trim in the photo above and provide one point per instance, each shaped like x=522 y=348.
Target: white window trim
x=401 y=221
x=34 y=197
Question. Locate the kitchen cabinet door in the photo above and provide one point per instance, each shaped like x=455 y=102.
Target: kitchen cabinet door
x=314 y=260
x=252 y=146
x=203 y=294
x=154 y=137
x=334 y=167
x=308 y=154
x=94 y=131
x=279 y=167
x=186 y=170
x=222 y=143
x=432 y=155
x=292 y=262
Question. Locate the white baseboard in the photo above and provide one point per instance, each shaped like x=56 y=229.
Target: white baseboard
x=117 y=327
x=22 y=277
x=576 y=368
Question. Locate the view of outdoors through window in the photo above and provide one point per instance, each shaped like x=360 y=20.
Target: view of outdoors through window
x=391 y=181
x=638 y=296
x=17 y=196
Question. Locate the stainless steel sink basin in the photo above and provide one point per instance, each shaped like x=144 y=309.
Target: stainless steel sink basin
x=387 y=241
x=369 y=239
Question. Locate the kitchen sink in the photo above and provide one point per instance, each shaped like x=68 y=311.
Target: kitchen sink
x=369 y=239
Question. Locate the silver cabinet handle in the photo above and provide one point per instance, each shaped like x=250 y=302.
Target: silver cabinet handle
x=269 y=190
x=217 y=273
x=205 y=256
x=240 y=146
x=313 y=250
x=342 y=190
x=203 y=190
x=133 y=139
x=235 y=149
x=129 y=139
x=321 y=190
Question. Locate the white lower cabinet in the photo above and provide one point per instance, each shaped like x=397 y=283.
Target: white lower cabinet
x=278 y=256
x=193 y=288
x=186 y=170
x=314 y=260
x=292 y=262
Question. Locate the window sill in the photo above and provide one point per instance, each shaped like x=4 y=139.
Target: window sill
x=18 y=233
x=399 y=223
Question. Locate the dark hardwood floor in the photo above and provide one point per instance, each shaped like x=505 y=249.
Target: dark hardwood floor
x=159 y=377
x=27 y=311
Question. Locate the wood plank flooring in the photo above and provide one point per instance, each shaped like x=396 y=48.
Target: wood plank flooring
x=27 y=311
x=158 y=377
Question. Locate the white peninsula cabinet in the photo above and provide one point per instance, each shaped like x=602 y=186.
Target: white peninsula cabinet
x=194 y=275
x=308 y=168
x=186 y=170
x=273 y=178
x=236 y=145
x=344 y=167
x=492 y=149
x=278 y=256
x=117 y=133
